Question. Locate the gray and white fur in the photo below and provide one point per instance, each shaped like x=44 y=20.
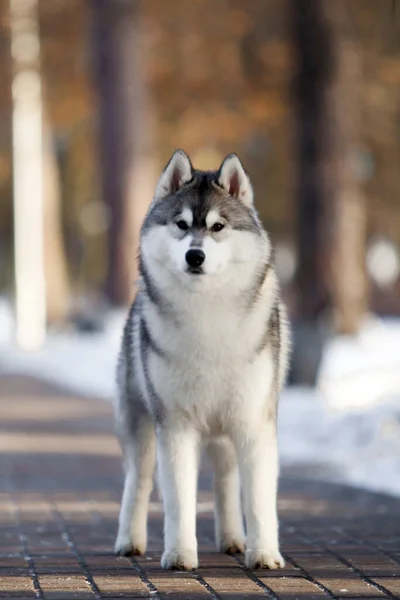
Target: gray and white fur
x=203 y=359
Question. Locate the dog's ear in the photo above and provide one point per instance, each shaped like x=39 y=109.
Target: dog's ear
x=234 y=179
x=178 y=171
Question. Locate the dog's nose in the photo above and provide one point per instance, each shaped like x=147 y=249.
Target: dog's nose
x=195 y=257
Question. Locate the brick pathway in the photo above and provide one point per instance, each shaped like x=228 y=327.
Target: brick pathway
x=60 y=484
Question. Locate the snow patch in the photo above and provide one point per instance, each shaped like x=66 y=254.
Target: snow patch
x=81 y=363
x=359 y=447
x=362 y=370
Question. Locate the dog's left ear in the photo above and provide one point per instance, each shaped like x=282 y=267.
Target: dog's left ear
x=234 y=179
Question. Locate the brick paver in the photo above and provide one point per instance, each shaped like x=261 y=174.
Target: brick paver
x=60 y=486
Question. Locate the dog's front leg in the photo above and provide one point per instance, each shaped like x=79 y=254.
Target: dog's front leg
x=258 y=463
x=177 y=452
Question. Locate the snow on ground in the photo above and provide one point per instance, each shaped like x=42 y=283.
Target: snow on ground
x=362 y=370
x=82 y=363
x=358 y=447
x=348 y=430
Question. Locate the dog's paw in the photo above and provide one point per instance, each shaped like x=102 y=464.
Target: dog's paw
x=185 y=560
x=125 y=547
x=231 y=544
x=264 y=558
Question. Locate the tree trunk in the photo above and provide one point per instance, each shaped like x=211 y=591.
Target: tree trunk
x=27 y=143
x=125 y=136
x=349 y=291
x=330 y=210
x=55 y=264
x=315 y=54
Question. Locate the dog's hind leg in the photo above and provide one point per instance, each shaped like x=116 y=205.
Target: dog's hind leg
x=229 y=532
x=139 y=460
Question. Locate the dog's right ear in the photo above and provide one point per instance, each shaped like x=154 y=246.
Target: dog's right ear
x=178 y=171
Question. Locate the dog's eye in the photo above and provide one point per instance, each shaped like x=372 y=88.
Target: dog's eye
x=182 y=225
x=217 y=227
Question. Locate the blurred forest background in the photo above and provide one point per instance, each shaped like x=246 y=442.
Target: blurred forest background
x=307 y=92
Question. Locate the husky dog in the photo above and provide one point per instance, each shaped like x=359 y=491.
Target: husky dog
x=203 y=359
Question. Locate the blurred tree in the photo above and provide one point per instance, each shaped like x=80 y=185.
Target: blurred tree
x=314 y=72
x=330 y=210
x=6 y=228
x=349 y=289
x=55 y=262
x=125 y=135
x=70 y=115
x=40 y=267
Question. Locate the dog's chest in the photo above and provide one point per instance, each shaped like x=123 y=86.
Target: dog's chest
x=208 y=334
x=212 y=367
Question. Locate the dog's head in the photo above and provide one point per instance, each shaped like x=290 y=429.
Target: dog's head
x=201 y=223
